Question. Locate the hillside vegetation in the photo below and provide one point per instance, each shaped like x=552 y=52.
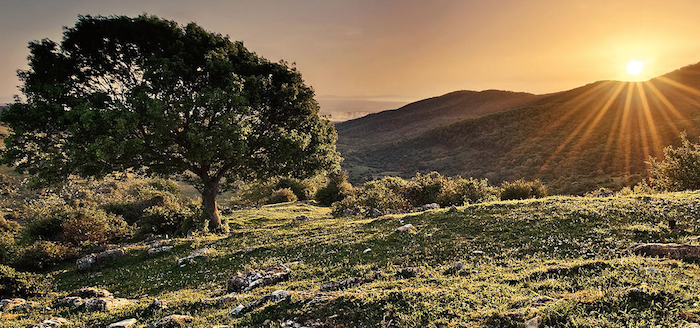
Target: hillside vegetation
x=596 y=135
x=562 y=259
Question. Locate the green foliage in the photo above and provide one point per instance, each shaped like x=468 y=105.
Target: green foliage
x=22 y=284
x=9 y=231
x=173 y=218
x=300 y=188
x=42 y=255
x=166 y=185
x=144 y=93
x=680 y=169
x=282 y=196
x=335 y=190
x=522 y=189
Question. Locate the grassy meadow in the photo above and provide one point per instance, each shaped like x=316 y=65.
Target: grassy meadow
x=563 y=259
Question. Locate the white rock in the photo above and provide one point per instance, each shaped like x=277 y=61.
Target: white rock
x=128 y=323
x=366 y=251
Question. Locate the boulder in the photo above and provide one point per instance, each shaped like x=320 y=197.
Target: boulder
x=249 y=280
x=173 y=321
x=50 y=323
x=71 y=301
x=127 y=323
x=158 y=304
x=373 y=213
x=87 y=261
x=431 y=206
x=343 y=284
x=202 y=252
x=88 y=292
x=13 y=303
x=105 y=303
x=673 y=251
x=535 y=322
x=159 y=249
x=406 y=228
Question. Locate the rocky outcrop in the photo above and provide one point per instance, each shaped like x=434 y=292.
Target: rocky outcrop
x=50 y=323
x=93 y=299
x=88 y=261
x=10 y=304
x=672 y=251
x=249 y=280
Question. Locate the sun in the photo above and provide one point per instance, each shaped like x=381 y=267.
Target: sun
x=635 y=67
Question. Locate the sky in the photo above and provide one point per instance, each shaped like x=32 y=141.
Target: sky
x=369 y=55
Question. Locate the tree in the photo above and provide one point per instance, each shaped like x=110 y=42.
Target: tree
x=147 y=94
x=680 y=169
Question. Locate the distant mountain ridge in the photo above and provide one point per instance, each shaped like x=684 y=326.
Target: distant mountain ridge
x=600 y=134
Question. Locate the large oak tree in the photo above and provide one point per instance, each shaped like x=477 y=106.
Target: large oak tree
x=144 y=93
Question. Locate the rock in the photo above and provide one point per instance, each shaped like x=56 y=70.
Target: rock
x=198 y=253
x=453 y=209
x=478 y=252
x=457 y=266
x=87 y=261
x=652 y=271
x=13 y=303
x=409 y=272
x=127 y=323
x=373 y=213
x=541 y=301
x=249 y=280
x=535 y=322
x=301 y=218
x=50 y=323
x=159 y=249
x=366 y=251
x=431 y=206
x=105 y=303
x=88 y=292
x=406 y=228
x=673 y=251
x=71 y=301
x=238 y=309
x=158 y=304
x=343 y=284
x=349 y=212
x=173 y=321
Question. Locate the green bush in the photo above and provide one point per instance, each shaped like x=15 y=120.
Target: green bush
x=166 y=185
x=301 y=189
x=522 y=189
x=680 y=169
x=22 y=284
x=426 y=188
x=335 y=190
x=460 y=191
x=171 y=219
x=9 y=231
x=42 y=255
x=282 y=196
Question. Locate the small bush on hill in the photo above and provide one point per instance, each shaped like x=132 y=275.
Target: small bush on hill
x=172 y=219
x=9 y=231
x=335 y=190
x=680 y=169
x=22 y=284
x=522 y=189
x=42 y=255
x=302 y=189
x=282 y=196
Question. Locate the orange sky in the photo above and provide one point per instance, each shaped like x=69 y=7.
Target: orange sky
x=373 y=55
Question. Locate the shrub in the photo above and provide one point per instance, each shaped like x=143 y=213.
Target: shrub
x=166 y=185
x=282 y=196
x=171 y=219
x=426 y=189
x=42 y=255
x=9 y=231
x=460 y=191
x=522 y=189
x=335 y=190
x=300 y=188
x=22 y=284
x=680 y=169
x=91 y=225
x=379 y=194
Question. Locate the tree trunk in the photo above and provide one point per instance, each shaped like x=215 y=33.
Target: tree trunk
x=211 y=190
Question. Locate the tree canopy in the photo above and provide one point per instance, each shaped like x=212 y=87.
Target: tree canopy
x=144 y=93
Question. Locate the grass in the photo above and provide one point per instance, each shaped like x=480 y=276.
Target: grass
x=572 y=250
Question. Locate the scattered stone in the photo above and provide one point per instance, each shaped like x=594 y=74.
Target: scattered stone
x=457 y=266
x=88 y=292
x=452 y=209
x=127 y=323
x=478 y=252
x=343 y=284
x=87 y=261
x=13 y=303
x=406 y=228
x=158 y=304
x=238 y=309
x=541 y=301
x=160 y=249
x=535 y=322
x=431 y=206
x=366 y=251
x=409 y=272
x=373 y=213
x=50 y=323
x=301 y=218
x=105 y=303
x=349 y=212
x=196 y=254
x=173 y=321
x=71 y=301
x=652 y=271
x=248 y=280
x=673 y=251
x=307 y=324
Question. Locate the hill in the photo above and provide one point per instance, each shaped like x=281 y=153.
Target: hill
x=562 y=259
x=600 y=134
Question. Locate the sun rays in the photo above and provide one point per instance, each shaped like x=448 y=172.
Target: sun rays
x=633 y=118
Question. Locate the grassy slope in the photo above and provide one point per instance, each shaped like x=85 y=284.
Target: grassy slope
x=602 y=287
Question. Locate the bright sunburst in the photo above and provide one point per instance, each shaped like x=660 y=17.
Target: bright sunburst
x=635 y=67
